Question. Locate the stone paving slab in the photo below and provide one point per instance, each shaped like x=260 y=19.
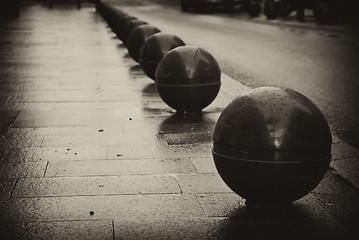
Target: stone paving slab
x=204 y=165
x=136 y=206
x=88 y=149
x=119 y=167
x=25 y=169
x=20 y=141
x=6 y=187
x=89 y=140
x=204 y=183
x=224 y=228
x=4 y=125
x=91 y=186
x=154 y=151
x=58 y=154
x=67 y=131
x=91 y=230
x=232 y=205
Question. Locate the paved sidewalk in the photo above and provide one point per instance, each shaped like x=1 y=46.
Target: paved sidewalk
x=89 y=150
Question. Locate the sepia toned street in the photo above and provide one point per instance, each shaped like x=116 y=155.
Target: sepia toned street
x=89 y=150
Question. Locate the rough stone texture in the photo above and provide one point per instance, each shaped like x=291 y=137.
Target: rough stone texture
x=89 y=151
x=91 y=230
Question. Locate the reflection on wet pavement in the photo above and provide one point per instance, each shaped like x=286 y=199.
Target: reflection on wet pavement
x=88 y=149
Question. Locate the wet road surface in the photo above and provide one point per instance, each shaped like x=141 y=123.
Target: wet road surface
x=88 y=150
x=318 y=61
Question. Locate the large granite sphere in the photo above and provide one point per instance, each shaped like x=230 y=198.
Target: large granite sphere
x=272 y=146
x=153 y=50
x=137 y=38
x=188 y=78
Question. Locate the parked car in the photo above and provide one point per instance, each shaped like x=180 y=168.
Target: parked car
x=253 y=7
x=324 y=11
x=283 y=8
x=198 y=5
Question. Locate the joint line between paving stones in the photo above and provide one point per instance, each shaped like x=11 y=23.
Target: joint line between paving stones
x=67 y=220
x=113 y=230
x=332 y=214
x=13 y=120
x=13 y=189
x=104 y=195
x=179 y=186
x=106 y=150
x=322 y=205
x=47 y=164
x=343 y=179
x=204 y=213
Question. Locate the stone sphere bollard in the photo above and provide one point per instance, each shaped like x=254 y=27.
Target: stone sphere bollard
x=121 y=22
x=153 y=50
x=272 y=146
x=128 y=27
x=137 y=38
x=188 y=78
x=103 y=10
x=110 y=14
x=115 y=20
x=98 y=6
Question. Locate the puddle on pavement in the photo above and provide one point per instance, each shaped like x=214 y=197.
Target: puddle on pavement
x=193 y=128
